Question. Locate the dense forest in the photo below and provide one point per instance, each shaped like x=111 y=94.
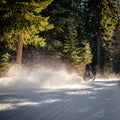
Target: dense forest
x=71 y=33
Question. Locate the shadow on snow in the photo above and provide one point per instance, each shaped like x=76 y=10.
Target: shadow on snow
x=60 y=104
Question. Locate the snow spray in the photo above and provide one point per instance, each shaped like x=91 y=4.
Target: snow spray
x=39 y=77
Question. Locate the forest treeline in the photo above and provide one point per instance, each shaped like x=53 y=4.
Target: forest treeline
x=73 y=32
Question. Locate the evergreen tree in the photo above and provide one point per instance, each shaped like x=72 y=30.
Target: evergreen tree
x=115 y=50
x=71 y=52
x=109 y=18
x=64 y=39
x=55 y=37
x=4 y=65
x=21 y=22
x=102 y=20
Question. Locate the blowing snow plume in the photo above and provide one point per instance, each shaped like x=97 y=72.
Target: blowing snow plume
x=39 y=77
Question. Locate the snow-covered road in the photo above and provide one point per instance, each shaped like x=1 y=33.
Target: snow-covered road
x=99 y=100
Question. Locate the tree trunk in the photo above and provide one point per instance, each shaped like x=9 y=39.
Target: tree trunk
x=71 y=2
x=98 y=54
x=19 y=49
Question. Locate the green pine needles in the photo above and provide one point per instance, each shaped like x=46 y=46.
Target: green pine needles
x=4 y=65
x=25 y=18
x=109 y=18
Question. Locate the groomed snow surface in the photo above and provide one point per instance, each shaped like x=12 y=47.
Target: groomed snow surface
x=56 y=95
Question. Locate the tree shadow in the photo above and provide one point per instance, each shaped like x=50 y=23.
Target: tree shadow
x=94 y=103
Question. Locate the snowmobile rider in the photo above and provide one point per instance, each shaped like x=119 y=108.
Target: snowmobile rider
x=88 y=74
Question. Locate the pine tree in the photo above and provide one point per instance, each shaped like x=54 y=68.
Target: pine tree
x=89 y=20
x=115 y=50
x=65 y=16
x=102 y=20
x=109 y=18
x=55 y=37
x=21 y=22
x=70 y=46
x=4 y=65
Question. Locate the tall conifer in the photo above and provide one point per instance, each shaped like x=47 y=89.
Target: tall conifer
x=21 y=22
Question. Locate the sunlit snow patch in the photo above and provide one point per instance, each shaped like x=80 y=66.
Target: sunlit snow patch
x=6 y=106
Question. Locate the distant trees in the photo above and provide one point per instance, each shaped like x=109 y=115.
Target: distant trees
x=83 y=20
x=82 y=32
x=115 y=50
x=100 y=23
x=66 y=17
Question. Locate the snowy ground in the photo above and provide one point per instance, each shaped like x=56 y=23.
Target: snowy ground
x=45 y=94
x=99 y=100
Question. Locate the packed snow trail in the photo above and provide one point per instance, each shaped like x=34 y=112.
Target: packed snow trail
x=99 y=100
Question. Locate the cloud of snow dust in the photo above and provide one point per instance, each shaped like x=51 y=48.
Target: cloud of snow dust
x=39 y=77
x=108 y=75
